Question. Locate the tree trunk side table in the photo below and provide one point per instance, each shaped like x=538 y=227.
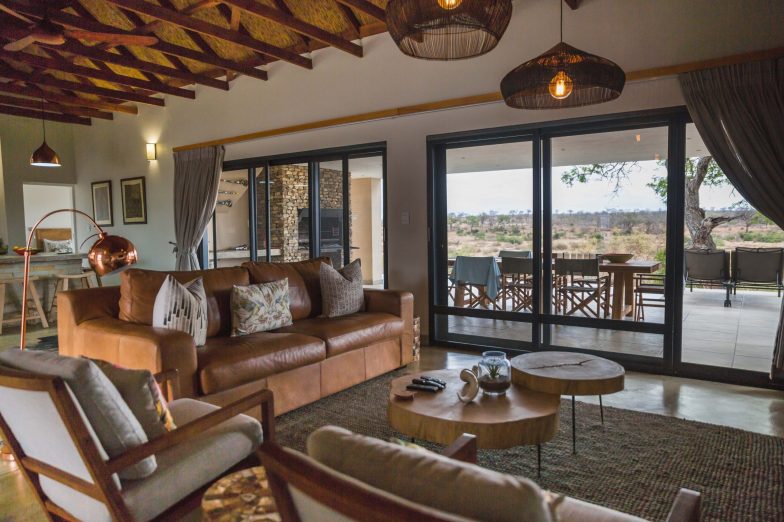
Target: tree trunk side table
x=240 y=497
x=568 y=373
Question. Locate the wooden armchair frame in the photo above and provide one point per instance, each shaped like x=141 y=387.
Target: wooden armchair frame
x=284 y=468
x=103 y=488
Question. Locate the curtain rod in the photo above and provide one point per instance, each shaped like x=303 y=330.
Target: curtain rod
x=492 y=97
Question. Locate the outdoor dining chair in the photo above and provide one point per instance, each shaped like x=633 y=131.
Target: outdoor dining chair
x=579 y=285
x=517 y=283
x=648 y=292
x=525 y=254
x=756 y=268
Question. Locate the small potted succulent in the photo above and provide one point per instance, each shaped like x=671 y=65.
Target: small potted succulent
x=495 y=373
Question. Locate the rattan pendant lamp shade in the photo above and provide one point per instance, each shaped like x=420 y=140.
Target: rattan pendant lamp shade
x=447 y=29
x=563 y=77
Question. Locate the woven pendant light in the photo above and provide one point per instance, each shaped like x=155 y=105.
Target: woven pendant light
x=563 y=77
x=447 y=29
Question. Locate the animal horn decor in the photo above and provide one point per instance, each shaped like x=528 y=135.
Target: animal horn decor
x=471 y=389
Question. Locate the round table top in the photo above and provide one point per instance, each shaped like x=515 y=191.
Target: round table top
x=517 y=418
x=567 y=373
x=240 y=497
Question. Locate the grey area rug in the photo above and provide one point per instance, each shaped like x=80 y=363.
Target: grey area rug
x=635 y=463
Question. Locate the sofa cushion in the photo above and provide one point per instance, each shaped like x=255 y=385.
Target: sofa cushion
x=138 y=289
x=349 y=332
x=304 y=285
x=182 y=307
x=260 y=308
x=341 y=290
x=473 y=492
x=226 y=362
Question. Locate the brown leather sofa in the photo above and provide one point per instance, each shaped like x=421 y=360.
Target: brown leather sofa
x=312 y=358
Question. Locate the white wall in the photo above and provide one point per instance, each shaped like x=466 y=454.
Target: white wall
x=637 y=34
x=40 y=199
x=19 y=137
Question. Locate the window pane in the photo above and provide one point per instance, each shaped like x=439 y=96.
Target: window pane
x=366 y=177
x=728 y=244
x=490 y=227
x=331 y=211
x=289 y=212
x=609 y=195
x=232 y=228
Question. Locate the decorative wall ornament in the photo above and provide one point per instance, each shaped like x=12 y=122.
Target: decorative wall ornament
x=134 y=201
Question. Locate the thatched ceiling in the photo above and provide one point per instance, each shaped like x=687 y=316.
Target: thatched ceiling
x=206 y=42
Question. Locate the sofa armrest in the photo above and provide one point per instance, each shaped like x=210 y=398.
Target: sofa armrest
x=400 y=304
x=135 y=345
x=76 y=306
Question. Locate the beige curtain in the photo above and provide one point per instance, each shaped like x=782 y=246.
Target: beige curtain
x=739 y=113
x=196 y=177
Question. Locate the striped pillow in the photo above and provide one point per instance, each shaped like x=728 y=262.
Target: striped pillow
x=341 y=290
x=182 y=307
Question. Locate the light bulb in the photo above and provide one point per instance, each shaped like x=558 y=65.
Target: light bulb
x=561 y=86
x=449 y=4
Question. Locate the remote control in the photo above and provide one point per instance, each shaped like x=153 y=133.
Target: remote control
x=423 y=387
x=426 y=382
x=433 y=379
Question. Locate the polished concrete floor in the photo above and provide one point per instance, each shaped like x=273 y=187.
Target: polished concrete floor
x=750 y=409
x=740 y=337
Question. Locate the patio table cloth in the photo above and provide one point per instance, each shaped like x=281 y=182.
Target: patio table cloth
x=481 y=271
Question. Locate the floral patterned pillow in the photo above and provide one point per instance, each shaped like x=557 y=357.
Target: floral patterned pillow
x=260 y=308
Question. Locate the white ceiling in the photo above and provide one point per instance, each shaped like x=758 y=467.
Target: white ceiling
x=584 y=149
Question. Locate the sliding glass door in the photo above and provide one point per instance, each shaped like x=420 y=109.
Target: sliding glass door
x=557 y=237
x=297 y=206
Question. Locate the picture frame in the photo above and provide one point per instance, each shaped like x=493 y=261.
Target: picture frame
x=134 y=201
x=103 y=207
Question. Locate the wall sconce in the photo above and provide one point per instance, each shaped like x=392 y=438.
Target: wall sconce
x=152 y=151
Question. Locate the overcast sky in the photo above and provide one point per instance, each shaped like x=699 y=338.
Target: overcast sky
x=502 y=191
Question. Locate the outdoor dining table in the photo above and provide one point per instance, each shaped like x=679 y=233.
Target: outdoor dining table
x=623 y=302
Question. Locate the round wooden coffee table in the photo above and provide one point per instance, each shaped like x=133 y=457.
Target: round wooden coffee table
x=243 y=496
x=520 y=417
x=568 y=373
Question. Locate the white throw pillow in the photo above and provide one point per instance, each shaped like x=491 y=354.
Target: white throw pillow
x=64 y=246
x=260 y=308
x=182 y=307
x=341 y=290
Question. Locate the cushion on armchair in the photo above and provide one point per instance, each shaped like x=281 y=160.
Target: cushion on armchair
x=429 y=479
x=115 y=425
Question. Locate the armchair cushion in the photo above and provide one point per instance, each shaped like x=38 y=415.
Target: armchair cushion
x=182 y=469
x=472 y=492
x=108 y=414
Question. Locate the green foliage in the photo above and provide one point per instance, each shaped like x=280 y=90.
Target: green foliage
x=514 y=240
x=774 y=236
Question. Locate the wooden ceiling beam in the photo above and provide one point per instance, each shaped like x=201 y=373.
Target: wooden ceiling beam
x=574 y=4
x=351 y=19
x=13 y=74
x=50 y=116
x=80 y=22
x=89 y=72
x=55 y=107
x=295 y=24
x=366 y=7
x=78 y=101
x=216 y=31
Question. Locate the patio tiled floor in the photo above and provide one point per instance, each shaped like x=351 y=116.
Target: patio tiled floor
x=739 y=337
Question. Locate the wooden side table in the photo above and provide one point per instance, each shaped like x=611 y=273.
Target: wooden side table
x=569 y=373
x=243 y=496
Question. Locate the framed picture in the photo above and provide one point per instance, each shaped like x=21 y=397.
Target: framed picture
x=134 y=201
x=103 y=211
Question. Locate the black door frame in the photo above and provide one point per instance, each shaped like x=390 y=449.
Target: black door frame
x=540 y=135
x=313 y=158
